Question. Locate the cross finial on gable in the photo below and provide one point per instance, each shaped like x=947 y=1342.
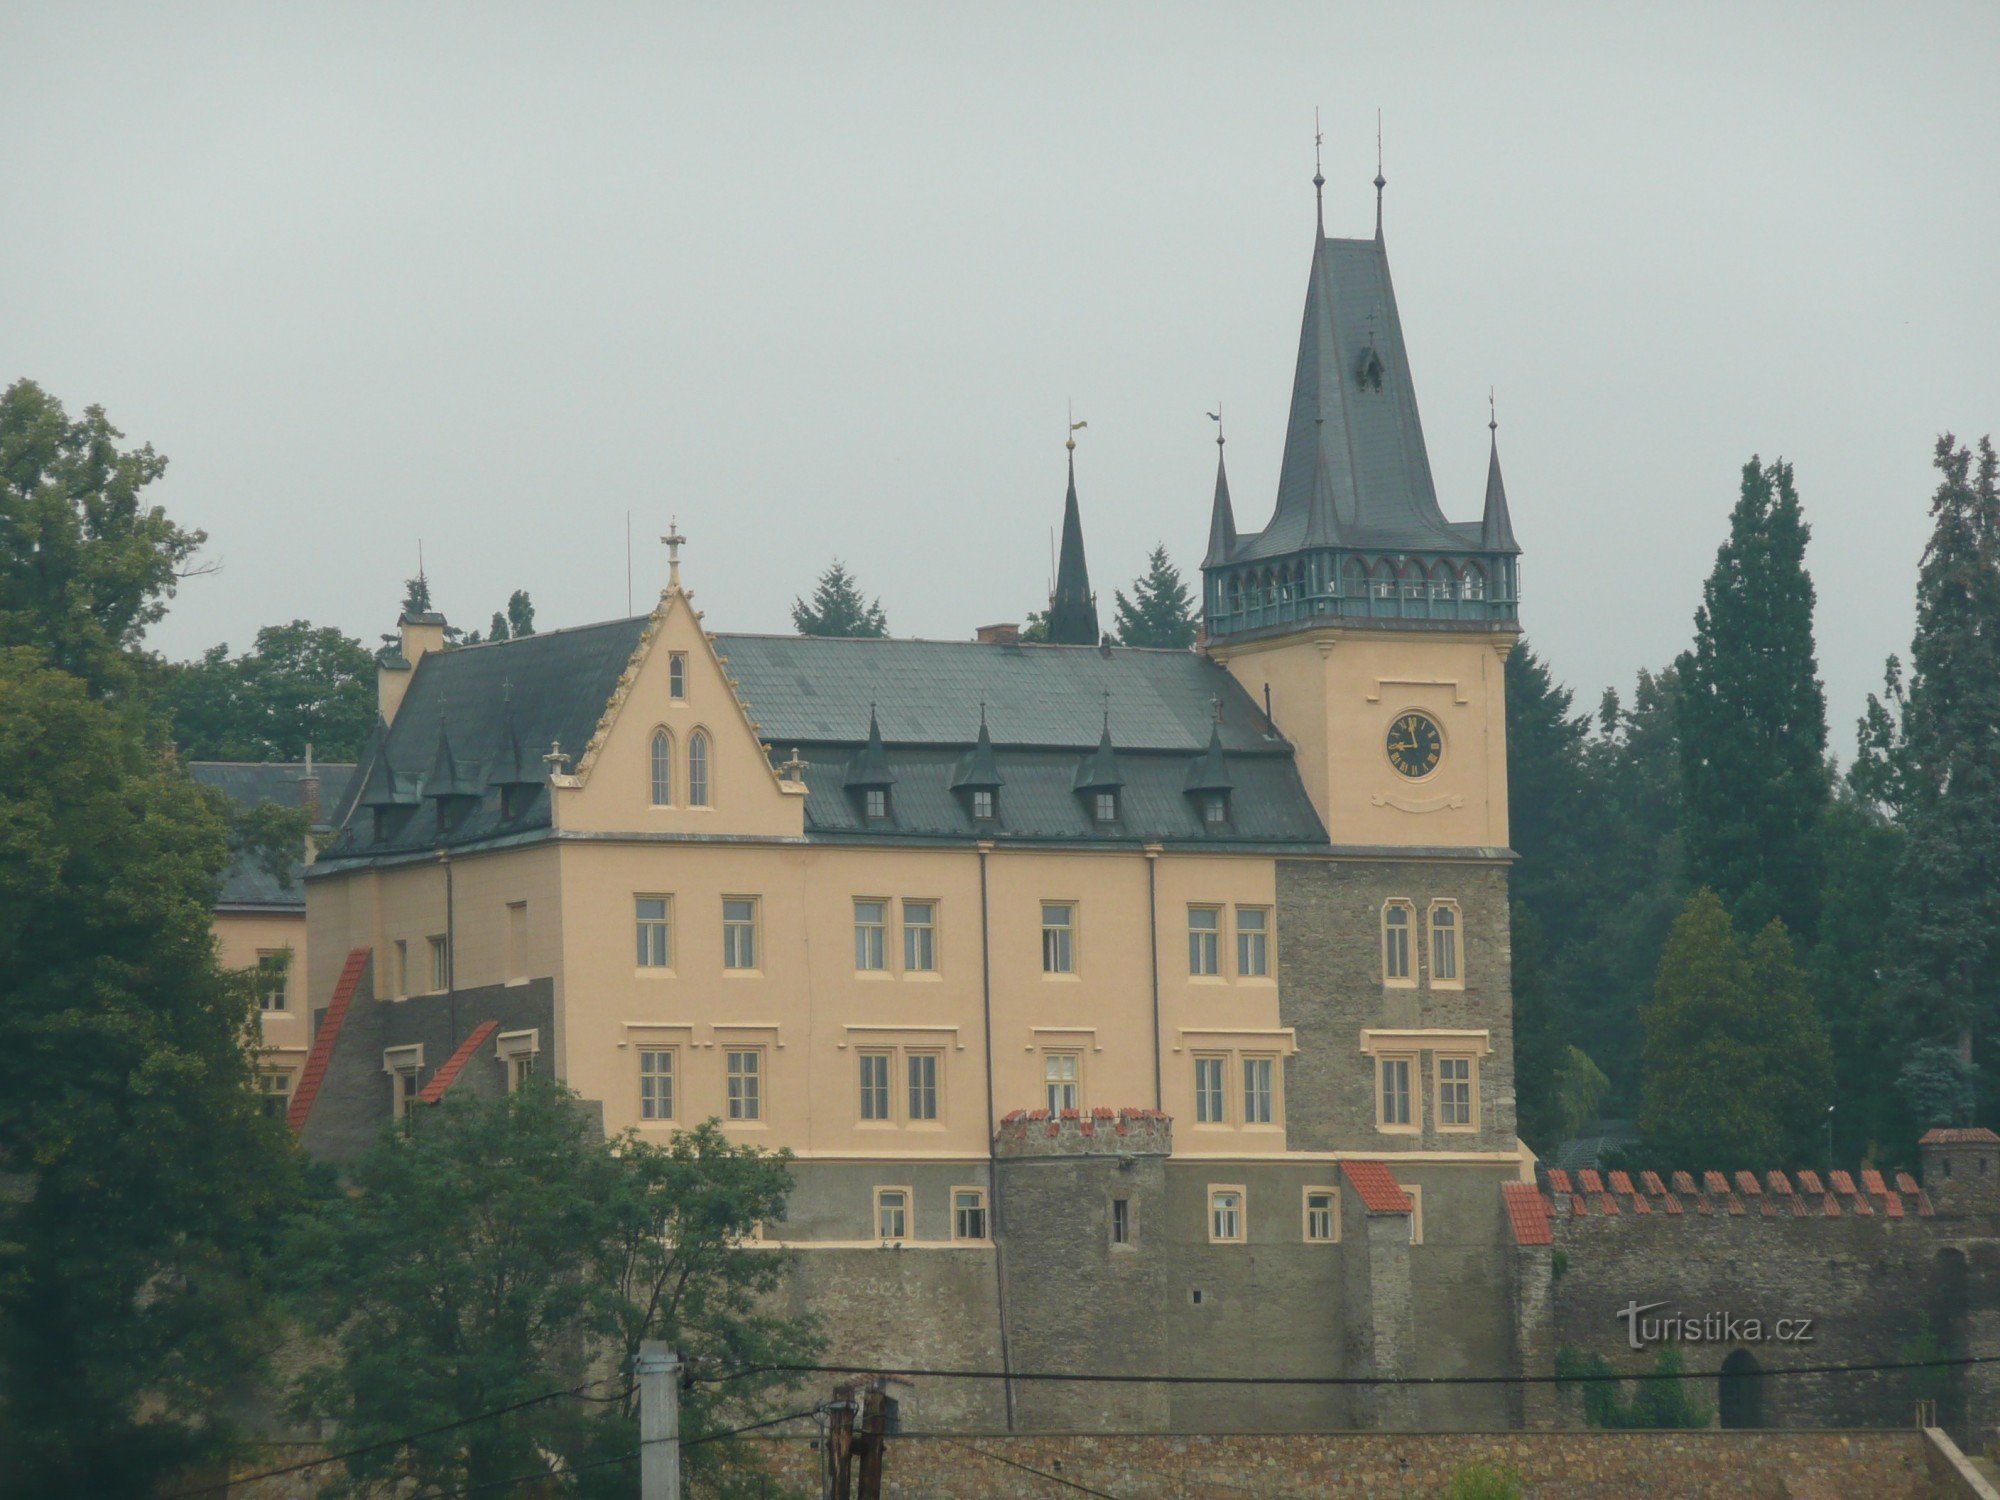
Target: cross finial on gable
x=795 y=768
x=555 y=760
x=675 y=541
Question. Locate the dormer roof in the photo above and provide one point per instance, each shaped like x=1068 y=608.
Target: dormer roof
x=871 y=769
x=1100 y=772
x=978 y=770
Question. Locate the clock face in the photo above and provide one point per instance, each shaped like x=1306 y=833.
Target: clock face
x=1415 y=745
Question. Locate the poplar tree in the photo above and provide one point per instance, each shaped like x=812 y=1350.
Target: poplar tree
x=1753 y=716
x=1944 y=972
x=1161 y=610
x=838 y=607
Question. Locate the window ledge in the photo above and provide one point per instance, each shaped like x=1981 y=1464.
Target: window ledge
x=654 y=971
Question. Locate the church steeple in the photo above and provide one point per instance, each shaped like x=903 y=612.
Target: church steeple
x=1072 y=607
x=1496 y=527
x=1222 y=517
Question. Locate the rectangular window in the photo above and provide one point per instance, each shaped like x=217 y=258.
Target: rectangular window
x=892 y=1213
x=874 y=1085
x=440 y=963
x=1444 y=944
x=1058 y=937
x=654 y=915
x=746 y=1085
x=274 y=1091
x=656 y=1084
x=677 y=676
x=919 y=937
x=1454 y=1085
x=1257 y=1080
x=1215 y=809
x=1253 y=942
x=402 y=975
x=739 y=932
x=982 y=806
x=272 y=966
x=1209 y=1108
x=968 y=1214
x=517 y=941
x=923 y=1075
x=1322 y=1221
x=1107 y=807
x=404 y=1089
x=1394 y=1100
x=1204 y=940
x=871 y=935
x=1121 y=1221
x=1397 y=919
x=1059 y=1074
x=1225 y=1215
x=876 y=801
x=519 y=1071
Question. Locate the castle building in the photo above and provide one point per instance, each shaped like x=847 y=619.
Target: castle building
x=1124 y=1009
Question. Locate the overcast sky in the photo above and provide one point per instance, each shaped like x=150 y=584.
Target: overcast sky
x=821 y=280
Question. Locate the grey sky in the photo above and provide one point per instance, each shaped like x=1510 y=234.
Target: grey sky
x=820 y=280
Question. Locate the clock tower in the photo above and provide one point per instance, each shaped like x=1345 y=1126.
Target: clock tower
x=1377 y=628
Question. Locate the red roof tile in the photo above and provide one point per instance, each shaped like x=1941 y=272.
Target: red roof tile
x=1621 y=1183
x=1871 y=1181
x=1746 y=1184
x=1640 y=1205
x=1735 y=1205
x=1924 y=1209
x=1842 y=1183
x=1778 y=1184
x=1809 y=1182
x=454 y=1065
x=1576 y=1209
x=1905 y=1183
x=1861 y=1207
x=1607 y=1204
x=1650 y=1181
x=1527 y=1214
x=1892 y=1205
x=1829 y=1206
x=1684 y=1184
x=1559 y=1181
x=314 y=1072
x=1714 y=1183
x=1769 y=1205
x=1669 y=1202
x=1959 y=1135
x=1703 y=1206
x=1376 y=1186
x=1798 y=1206
x=1590 y=1181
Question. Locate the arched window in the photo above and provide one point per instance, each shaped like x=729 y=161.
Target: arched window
x=698 y=768
x=1353 y=579
x=1475 y=581
x=1446 y=969
x=1385 y=580
x=1398 y=918
x=1444 y=582
x=663 y=768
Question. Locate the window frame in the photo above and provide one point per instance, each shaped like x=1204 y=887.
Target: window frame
x=1059 y=938
x=927 y=927
x=1211 y=1093
x=1306 y=1211
x=1124 y=1224
x=1257 y=938
x=877 y=1104
x=645 y=927
x=959 y=1209
x=734 y=945
x=1456 y=933
x=1415 y=1190
x=677 y=662
x=985 y=805
x=1406 y=930
x=1412 y=1093
x=743 y=1091
x=700 y=771
x=281 y=1095
x=405 y=1067
x=660 y=767
x=907 y=1208
x=871 y=939
x=875 y=803
x=1240 y=1211
x=1104 y=807
x=440 y=955
x=1268 y=1062
x=1204 y=943
x=671 y=1074
x=1050 y=1082
x=515 y=945
x=914 y=1061
x=274 y=969
x=517 y=1051
x=1471 y=1083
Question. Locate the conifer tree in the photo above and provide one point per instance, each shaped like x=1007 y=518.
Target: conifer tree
x=1737 y=1066
x=1944 y=973
x=838 y=608
x=1160 y=611
x=1753 y=716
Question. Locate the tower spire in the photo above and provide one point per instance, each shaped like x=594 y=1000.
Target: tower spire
x=1319 y=177
x=1072 y=608
x=1380 y=181
x=1496 y=526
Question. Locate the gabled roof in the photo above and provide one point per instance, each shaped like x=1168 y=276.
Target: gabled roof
x=441 y=1081
x=249 y=882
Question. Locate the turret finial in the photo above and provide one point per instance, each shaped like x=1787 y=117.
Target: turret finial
x=1216 y=417
x=1492 y=412
x=1380 y=181
x=675 y=541
x=1074 y=428
x=1319 y=176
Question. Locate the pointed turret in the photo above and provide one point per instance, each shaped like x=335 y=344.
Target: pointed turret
x=1072 y=607
x=1496 y=527
x=1100 y=772
x=450 y=777
x=1222 y=518
x=978 y=770
x=870 y=770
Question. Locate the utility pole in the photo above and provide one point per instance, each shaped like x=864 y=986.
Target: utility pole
x=658 y=1368
x=874 y=1432
x=840 y=1443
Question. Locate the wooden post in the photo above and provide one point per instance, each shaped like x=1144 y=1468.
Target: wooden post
x=658 y=1368
x=840 y=1443
x=874 y=1438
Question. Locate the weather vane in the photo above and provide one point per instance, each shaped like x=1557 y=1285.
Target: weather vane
x=1074 y=428
x=1216 y=417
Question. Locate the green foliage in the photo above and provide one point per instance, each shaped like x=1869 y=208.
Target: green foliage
x=300 y=684
x=1737 y=1064
x=838 y=608
x=1035 y=630
x=1753 y=716
x=1479 y=1480
x=84 y=567
x=501 y=1248
x=417 y=595
x=1924 y=1347
x=1661 y=1400
x=1580 y=1087
x=516 y=621
x=1860 y=850
x=1161 y=609
x=146 y=1179
x=1940 y=765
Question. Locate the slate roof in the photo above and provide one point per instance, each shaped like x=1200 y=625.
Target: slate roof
x=247 y=883
x=1045 y=707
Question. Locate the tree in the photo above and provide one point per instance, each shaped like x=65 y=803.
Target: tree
x=1160 y=611
x=1035 y=629
x=1663 y=1399
x=838 y=608
x=1860 y=852
x=516 y=621
x=501 y=1249
x=300 y=684
x=1753 y=716
x=144 y=1176
x=1942 y=763
x=84 y=567
x=1737 y=1069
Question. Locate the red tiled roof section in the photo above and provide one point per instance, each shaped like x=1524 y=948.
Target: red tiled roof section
x=1684 y=1184
x=314 y=1072
x=1559 y=1181
x=1376 y=1186
x=1905 y=1183
x=454 y=1065
x=1959 y=1136
x=1590 y=1181
x=1746 y=1184
x=1871 y=1181
x=1809 y=1182
x=1842 y=1183
x=1527 y=1214
x=1650 y=1181
x=1779 y=1184
x=1715 y=1184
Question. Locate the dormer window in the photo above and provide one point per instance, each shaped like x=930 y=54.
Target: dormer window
x=1215 y=809
x=875 y=802
x=1105 y=806
x=982 y=806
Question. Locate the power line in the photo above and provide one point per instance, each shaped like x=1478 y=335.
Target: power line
x=1013 y=1463
x=716 y=1437
x=394 y=1442
x=1581 y=1378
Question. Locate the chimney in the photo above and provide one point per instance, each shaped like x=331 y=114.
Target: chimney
x=420 y=634
x=1008 y=634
